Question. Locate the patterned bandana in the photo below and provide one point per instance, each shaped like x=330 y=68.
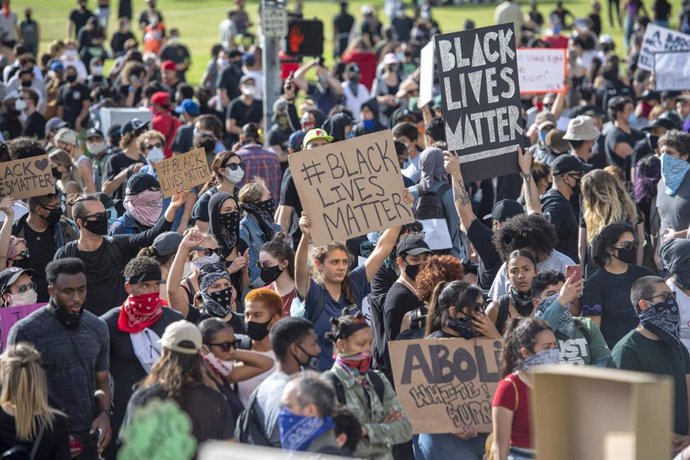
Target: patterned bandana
x=139 y=312
x=673 y=170
x=216 y=304
x=663 y=320
x=566 y=323
x=544 y=357
x=297 y=432
x=522 y=301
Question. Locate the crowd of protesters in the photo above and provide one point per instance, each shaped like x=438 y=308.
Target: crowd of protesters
x=215 y=297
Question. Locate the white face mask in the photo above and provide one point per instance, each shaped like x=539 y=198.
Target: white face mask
x=26 y=298
x=249 y=91
x=155 y=155
x=71 y=53
x=95 y=148
x=97 y=71
x=19 y=105
x=235 y=176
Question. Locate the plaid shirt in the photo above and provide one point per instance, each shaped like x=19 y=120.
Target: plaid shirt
x=259 y=162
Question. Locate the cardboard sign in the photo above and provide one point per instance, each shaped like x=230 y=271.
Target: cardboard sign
x=351 y=188
x=160 y=429
x=446 y=384
x=657 y=39
x=26 y=178
x=541 y=70
x=183 y=171
x=10 y=315
x=426 y=75
x=480 y=89
x=672 y=70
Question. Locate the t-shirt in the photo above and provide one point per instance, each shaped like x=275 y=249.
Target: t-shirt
x=35 y=126
x=71 y=359
x=399 y=300
x=636 y=352
x=319 y=296
x=79 y=17
x=72 y=99
x=608 y=295
x=557 y=210
x=184 y=139
x=618 y=136
x=514 y=394
x=268 y=404
x=177 y=53
x=684 y=305
x=674 y=211
x=244 y=113
x=290 y=197
x=489 y=261
x=556 y=261
x=125 y=367
x=245 y=388
x=42 y=248
x=114 y=165
x=54 y=443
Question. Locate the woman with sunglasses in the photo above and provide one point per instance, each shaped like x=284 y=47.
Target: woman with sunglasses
x=606 y=297
x=454 y=311
x=221 y=357
x=17 y=288
x=227 y=171
x=276 y=266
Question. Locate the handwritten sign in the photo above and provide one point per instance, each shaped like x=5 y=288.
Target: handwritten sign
x=10 y=315
x=541 y=70
x=158 y=430
x=26 y=178
x=481 y=99
x=446 y=384
x=427 y=72
x=672 y=70
x=657 y=39
x=351 y=188
x=183 y=171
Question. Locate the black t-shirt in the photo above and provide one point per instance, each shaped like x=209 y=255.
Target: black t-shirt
x=662 y=10
x=79 y=17
x=243 y=114
x=42 y=248
x=54 y=443
x=114 y=165
x=177 y=53
x=184 y=139
x=117 y=43
x=380 y=285
x=230 y=82
x=144 y=17
x=72 y=98
x=642 y=149
x=403 y=28
x=35 y=126
x=560 y=213
x=489 y=261
x=618 y=136
x=125 y=367
x=399 y=301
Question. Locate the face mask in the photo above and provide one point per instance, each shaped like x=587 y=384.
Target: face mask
x=69 y=320
x=368 y=124
x=133 y=79
x=354 y=80
x=542 y=136
x=412 y=271
x=268 y=207
x=248 y=91
x=223 y=367
x=463 y=326
x=673 y=171
x=663 y=320
x=56 y=173
x=297 y=432
x=359 y=362
x=522 y=301
x=27 y=83
x=98 y=226
x=155 y=155
x=270 y=274
x=629 y=256
x=19 y=105
x=632 y=118
x=235 y=176
x=217 y=304
x=95 y=148
x=71 y=53
x=145 y=207
x=25 y=298
x=71 y=78
x=230 y=231
x=312 y=361
x=53 y=216
x=544 y=357
x=205 y=260
x=97 y=71
x=257 y=331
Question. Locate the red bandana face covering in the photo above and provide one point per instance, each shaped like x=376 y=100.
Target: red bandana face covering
x=139 y=312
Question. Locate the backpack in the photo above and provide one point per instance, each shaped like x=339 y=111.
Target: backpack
x=249 y=429
x=21 y=452
x=429 y=204
x=374 y=378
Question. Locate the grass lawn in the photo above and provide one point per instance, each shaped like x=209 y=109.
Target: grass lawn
x=198 y=19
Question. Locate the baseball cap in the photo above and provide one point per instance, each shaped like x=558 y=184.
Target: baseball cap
x=554 y=140
x=412 y=246
x=564 y=164
x=161 y=98
x=57 y=66
x=189 y=107
x=168 y=65
x=183 y=337
x=545 y=119
x=10 y=275
x=660 y=123
x=167 y=243
x=390 y=58
x=140 y=182
x=651 y=95
x=504 y=210
x=248 y=59
x=581 y=129
x=135 y=126
x=352 y=67
x=246 y=77
x=55 y=124
x=295 y=140
x=93 y=132
x=314 y=134
x=67 y=136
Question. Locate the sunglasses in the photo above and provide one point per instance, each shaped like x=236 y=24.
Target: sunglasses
x=667 y=295
x=234 y=166
x=265 y=264
x=225 y=346
x=151 y=146
x=628 y=245
x=209 y=252
x=98 y=215
x=21 y=289
x=24 y=254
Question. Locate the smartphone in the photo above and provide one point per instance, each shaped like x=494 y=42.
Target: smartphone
x=575 y=270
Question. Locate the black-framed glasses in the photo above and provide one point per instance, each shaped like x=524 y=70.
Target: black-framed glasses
x=151 y=146
x=98 y=215
x=234 y=166
x=225 y=346
x=265 y=264
x=667 y=295
x=22 y=288
x=50 y=208
x=628 y=245
x=209 y=252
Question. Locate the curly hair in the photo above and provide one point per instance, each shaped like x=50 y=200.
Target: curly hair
x=607 y=239
x=436 y=270
x=678 y=140
x=458 y=294
x=320 y=253
x=141 y=265
x=525 y=232
x=252 y=191
x=147 y=136
x=605 y=201
x=520 y=333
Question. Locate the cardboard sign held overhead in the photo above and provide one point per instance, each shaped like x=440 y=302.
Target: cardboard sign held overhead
x=26 y=178
x=183 y=171
x=480 y=89
x=541 y=70
x=672 y=70
x=426 y=75
x=657 y=39
x=446 y=384
x=351 y=188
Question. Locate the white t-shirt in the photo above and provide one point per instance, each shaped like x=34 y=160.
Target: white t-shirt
x=684 y=306
x=556 y=261
x=247 y=387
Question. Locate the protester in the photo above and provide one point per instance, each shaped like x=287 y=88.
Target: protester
x=276 y=266
x=143 y=206
x=675 y=255
x=674 y=187
x=227 y=172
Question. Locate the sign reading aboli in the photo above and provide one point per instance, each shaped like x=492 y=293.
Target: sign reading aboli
x=481 y=99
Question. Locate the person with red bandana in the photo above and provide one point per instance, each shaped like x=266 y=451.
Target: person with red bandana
x=135 y=329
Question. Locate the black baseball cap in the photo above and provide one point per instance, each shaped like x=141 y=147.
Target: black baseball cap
x=564 y=164
x=412 y=246
x=93 y=132
x=660 y=123
x=135 y=126
x=504 y=210
x=9 y=275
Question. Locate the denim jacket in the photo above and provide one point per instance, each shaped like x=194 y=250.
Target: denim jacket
x=251 y=233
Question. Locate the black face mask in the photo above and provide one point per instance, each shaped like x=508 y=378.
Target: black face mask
x=71 y=78
x=97 y=227
x=463 y=326
x=267 y=206
x=230 y=231
x=270 y=274
x=22 y=263
x=56 y=173
x=629 y=256
x=257 y=331
x=653 y=141
x=26 y=83
x=412 y=271
x=312 y=362
x=53 y=216
x=69 y=320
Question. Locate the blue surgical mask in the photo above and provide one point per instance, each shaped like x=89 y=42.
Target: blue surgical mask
x=368 y=124
x=673 y=171
x=632 y=118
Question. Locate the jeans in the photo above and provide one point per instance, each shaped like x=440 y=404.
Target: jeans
x=439 y=446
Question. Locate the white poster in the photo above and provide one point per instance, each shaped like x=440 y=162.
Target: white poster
x=426 y=75
x=658 y=39
x=541 y=70
x=672 y=71
x=436 y=234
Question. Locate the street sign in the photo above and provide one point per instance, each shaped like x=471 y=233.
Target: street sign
x=274 y=22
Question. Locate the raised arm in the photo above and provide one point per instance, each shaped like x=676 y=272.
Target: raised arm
x=177 y=296
x=6 y=231
x=382 y=250
x=529 y=186
x=302 y=278
x=463 y=205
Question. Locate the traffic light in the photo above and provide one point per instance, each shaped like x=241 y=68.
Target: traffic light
x=305 y=38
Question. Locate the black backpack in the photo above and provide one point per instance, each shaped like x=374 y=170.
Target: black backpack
x=21 y=452
x=429 y=204
x=379 y=387
x=249 y=429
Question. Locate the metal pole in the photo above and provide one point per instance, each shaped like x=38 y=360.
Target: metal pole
x=270 y=64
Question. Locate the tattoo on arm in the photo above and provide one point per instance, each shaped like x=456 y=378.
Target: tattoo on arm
x=460 y=194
